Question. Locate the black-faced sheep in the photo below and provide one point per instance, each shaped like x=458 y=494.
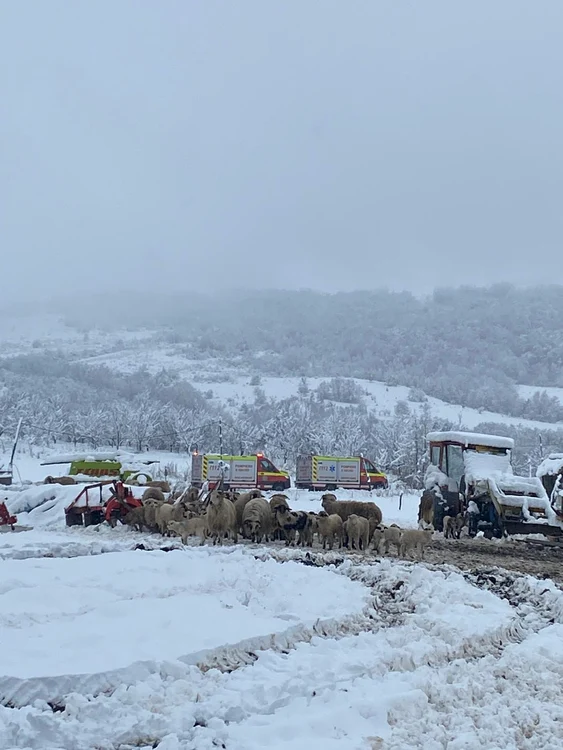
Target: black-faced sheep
x=257 y=519
x=357 y=530
x=278 y=501
x=328 y=528
x=296 y=522
x=345 y=508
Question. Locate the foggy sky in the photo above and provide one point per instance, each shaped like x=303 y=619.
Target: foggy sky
x=323 y=144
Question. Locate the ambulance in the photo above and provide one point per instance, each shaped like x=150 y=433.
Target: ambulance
x=240 y=472
x=329 y=472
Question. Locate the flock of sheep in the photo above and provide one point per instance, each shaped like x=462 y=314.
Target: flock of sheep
x=227 y=515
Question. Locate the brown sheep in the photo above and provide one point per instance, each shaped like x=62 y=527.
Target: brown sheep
x=346 y=508
x=221 y=517
x=135 y=518
x=241 y=502
x=59 y=480
x=257 y=519
x=159 y=484
x=154 y=493
x=449 y=527
x=357 y=530
x=426 y=509
x=328 y=527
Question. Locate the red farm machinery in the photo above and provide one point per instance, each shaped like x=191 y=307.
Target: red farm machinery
x=6 y=519
x=104 y=501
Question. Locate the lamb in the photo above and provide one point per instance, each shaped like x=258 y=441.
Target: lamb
x=329 y=527
x=154 y=493
x=449 y=527
x=135 y=518
x=346 y=508
x=415 y=539
x=392 y=535
x=357 y=530
x=257 y=519
x=241 y=501
x=426 y=510
x=196 y=526
x=59 y=480
x=221 y=517
x=460 y=522
x=377 y=540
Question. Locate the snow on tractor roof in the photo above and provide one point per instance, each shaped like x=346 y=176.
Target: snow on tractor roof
x=550 y=466
x=471 y=438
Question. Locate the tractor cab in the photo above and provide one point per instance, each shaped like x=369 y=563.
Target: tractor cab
x=472 y=473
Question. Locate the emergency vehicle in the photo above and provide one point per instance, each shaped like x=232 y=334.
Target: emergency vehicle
x=329 y=472
x=240 y=472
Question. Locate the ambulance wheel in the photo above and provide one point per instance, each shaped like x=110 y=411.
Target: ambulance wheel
x=278 y=487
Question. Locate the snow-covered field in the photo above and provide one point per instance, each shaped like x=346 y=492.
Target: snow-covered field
x=114 y=639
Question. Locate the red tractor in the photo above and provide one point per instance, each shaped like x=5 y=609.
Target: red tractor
x=92 y=505
x=5 y=518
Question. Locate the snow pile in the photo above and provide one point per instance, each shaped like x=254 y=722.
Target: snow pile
x=43 y=502
x=550 y=466
x=433 y=477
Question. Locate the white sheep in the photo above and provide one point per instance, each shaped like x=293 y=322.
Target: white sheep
x=196 y=526
x=357 y=531
x=392 y=535
x=221 y=517
x=328 y=527
x=412 y=539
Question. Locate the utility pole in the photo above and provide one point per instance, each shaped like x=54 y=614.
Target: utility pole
x=221 y=437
